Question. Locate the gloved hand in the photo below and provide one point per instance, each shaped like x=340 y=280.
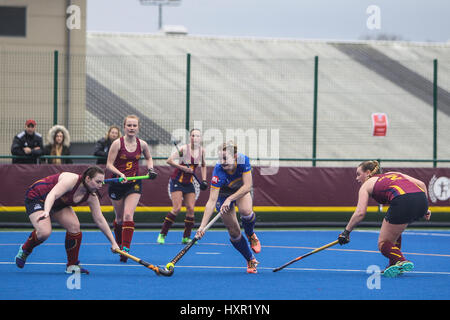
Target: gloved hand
x=203 y=185
x=344 y=237
x=152 y=174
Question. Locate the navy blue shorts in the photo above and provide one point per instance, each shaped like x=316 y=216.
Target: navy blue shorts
x=32 y=206
x=184 y=188
x=117 y=191
x=221 y=200
x=407 y=208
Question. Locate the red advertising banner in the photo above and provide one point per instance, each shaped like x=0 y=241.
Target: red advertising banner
x=290 y=187
x=379 y=124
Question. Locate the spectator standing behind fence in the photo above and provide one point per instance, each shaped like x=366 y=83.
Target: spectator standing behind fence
x=58 y=144
x=27 y=143
x=102 y=146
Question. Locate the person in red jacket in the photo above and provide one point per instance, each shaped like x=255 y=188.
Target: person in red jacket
x=407 y=197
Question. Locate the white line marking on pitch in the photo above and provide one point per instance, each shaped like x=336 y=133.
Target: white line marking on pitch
x=207 y=253
x=220 y=267
x=264 y=246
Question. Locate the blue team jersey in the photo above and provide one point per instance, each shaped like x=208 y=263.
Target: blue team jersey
x=230 y=183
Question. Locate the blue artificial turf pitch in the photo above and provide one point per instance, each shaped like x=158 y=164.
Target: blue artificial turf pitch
x=214 y=270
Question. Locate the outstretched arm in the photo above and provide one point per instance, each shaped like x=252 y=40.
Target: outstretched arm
x=209 y=209
x=358 y=215
x=361 y=209
x=100 y=220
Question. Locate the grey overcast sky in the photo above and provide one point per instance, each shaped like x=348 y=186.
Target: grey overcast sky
x=412 y=20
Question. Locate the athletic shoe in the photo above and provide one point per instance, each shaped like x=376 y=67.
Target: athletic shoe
x=398 y=268
x=122 y=257
x=161 y=238
x=391 y=271
x=186 y=240
x=254 y=243
x=251 y=266
x=406 y=266
x=21 y=257
x=76 y=268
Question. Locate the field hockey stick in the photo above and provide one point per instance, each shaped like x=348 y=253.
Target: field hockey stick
x=156 y=269
x=180 y=154
x=180 y=254
x=115 y=180
x=305 y=255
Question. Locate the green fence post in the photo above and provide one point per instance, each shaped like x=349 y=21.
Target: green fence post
x=55 y=87
x=314 y=142
x=380 y=206
x=188 y=89
x=435 y=106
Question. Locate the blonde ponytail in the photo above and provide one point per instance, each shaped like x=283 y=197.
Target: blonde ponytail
x=372 y=165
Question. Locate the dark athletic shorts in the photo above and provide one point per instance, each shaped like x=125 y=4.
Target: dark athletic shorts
x=117 y=191
x=184 y=188
x=224 y=196
x=33 y=205
x=407 y=208
x=220 y=202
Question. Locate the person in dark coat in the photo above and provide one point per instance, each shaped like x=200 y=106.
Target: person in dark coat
x=27 y=143
x=102 y=146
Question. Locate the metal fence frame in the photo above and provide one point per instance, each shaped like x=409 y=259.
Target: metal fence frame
x=434 y=160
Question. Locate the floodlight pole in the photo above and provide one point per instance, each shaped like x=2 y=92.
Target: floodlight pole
x=160 y=4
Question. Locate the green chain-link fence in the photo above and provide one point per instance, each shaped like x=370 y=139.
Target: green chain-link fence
x=289 y=109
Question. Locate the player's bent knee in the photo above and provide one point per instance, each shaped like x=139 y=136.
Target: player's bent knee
x=380 y=244
x=245 y=212
x=43 y=234
x=74 y=228
x=234 y=233
x=128 y=216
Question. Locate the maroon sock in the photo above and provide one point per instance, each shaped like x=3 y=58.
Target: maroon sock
x=72 y=244
x=118 y=233
x=188 y=225
x=168 y=221
x=31 y=242
x=398 y=243
x=393 y=253
x=127 y=233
